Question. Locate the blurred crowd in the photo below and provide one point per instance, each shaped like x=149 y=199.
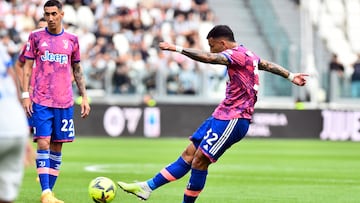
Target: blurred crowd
x=119 y=41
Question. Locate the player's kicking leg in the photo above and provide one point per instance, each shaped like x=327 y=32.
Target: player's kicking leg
x=170 y=173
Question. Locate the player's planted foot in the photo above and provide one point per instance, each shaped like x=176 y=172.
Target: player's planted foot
x=47 y=198
x=141 y=189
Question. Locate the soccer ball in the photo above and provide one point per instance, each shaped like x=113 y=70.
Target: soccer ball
x=102 y=190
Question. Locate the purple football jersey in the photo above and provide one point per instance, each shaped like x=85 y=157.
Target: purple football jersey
x=242 y=86
x=21 y=56
x=54 y=56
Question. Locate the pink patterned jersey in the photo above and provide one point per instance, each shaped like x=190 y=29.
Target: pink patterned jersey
x=21 y=57
x=54 y=56
x=242 y=86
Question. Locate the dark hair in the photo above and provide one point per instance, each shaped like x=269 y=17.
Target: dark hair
x=221 y=31
x=42 y=19
x=51 y=3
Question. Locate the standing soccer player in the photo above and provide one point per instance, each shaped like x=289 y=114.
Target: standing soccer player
x=13 y=132
x=229 y=122
x=57 y=57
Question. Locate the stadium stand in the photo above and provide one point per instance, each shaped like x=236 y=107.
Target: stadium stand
x=336 y=23
x=119 y=40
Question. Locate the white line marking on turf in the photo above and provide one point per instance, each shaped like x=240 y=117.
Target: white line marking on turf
x=216 y=172
x=123 y=168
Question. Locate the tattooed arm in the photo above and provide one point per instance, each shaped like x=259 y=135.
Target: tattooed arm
x=273 y=68
x=80 y=82
x=198 y=55
x=26 y=102
x=296 y=78
x=206 y=57
x=216 y=58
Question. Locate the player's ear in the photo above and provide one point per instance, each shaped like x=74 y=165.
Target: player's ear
x=223 y=42
x=61 y=12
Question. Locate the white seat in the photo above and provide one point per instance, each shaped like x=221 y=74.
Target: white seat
x=352 y=6
x=314 y=7
x=352 y=23
x=336 y=40
x=353 y=31
x=336 y=10
x=203 y=30
x=166 y=31
x=325 y=25
x=148 y=39
x=121 y=43
x=86 y=40
x=125 y=3
x=70 y=14
x=85 y=17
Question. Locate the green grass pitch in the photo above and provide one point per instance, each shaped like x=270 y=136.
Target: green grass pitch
x=252 y=171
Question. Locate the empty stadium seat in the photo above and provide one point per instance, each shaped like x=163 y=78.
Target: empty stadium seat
x=121 y=43
x=70 y=17
x=85 y=17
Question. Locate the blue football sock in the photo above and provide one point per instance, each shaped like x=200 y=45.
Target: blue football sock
x=195 y=185
x=43 y=165
x=172 y=172
x=55 y=162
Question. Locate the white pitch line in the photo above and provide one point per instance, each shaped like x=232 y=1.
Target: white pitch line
x=122 y=168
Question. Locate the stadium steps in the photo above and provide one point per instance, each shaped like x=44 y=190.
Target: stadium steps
x=238 y=16
x=288 y=15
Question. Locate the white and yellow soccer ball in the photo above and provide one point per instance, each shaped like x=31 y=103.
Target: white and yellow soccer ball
x=102 y=190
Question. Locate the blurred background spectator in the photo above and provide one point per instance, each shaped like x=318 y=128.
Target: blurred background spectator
x=336 y=76
x=119 y=39
x=355 y=79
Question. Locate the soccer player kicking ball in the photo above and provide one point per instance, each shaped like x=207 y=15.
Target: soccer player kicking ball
x=230 y=121
x=57 y=56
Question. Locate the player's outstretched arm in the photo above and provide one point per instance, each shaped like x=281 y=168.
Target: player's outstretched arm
x=296 y=78
x=198 y=55
x=80 y=82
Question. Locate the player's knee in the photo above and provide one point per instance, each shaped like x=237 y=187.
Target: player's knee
x=43 y=144
x=188 y=158
x=200 y=161
x=188 y=154
x=56 y=146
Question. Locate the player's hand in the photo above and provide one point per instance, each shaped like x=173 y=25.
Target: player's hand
x=27 y=105
x=85 y=108
x=167 y=46
x=300 y=79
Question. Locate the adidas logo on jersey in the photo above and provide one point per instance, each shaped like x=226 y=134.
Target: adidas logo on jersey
x=44 y=44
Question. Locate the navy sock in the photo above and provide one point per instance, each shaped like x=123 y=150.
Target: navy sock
x=55 y=162
x=195 y=185
x=43 y=165
x=172 y=172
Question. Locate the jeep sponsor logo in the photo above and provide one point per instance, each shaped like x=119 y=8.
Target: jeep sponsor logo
x=60 y=58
